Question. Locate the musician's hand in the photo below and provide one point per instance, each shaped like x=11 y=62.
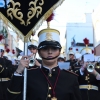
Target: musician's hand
x=37 y=63
x=84 y=66
x=96 y=74
x=24 y=62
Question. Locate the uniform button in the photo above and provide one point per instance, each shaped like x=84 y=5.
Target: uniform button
x=49 y=95
x=88 y=74
x=88 y=81
x=49 y=88
x=53 y=69
x=50 y=75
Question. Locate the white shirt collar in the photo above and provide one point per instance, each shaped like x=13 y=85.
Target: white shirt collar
x=49 y=68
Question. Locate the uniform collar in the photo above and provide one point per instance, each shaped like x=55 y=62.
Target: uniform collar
x=51 y=71
x=49 y=68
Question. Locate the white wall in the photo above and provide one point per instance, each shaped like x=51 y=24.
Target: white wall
x=80 y=31
x=96 y=24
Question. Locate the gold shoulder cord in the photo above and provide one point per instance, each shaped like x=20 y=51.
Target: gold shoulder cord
x=13 y=92
x=2 y=70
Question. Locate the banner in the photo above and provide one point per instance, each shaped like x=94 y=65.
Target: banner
x=26 y=16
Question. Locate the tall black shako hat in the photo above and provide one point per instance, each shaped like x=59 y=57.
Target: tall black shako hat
x=48 y=36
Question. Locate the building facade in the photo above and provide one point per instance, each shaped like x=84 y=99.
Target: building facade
x=11 y=38
x=96 y=26
x=76 y=32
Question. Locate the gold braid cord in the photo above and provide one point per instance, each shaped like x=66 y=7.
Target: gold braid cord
x=34 y=10
x=2 y=70
x=13 y=92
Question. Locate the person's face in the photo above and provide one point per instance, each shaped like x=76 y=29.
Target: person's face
x=33 y=50
x=49 y=52
x=71 y=56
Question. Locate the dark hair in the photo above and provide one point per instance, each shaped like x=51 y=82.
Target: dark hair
x=62 y=59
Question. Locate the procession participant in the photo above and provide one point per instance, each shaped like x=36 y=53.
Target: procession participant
x=47 y=82
x=71 y=59
x=33 y=48
x=78 y=56
x=6 y=71
x=88 y=80
x=61 y=58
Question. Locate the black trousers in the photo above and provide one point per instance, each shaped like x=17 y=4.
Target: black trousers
x=3 y=90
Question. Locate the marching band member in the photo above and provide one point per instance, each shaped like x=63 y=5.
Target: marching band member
x=71 y=59
x=61 y=58
x=33 y=48
x=77 y=65
x=47 y=82
x=5 y=63
x=88 y=81
x=6 y=71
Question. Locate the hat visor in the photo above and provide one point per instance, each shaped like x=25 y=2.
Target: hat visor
x=49 y=44
x=32 y=46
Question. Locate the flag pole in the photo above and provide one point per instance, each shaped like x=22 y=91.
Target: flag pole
x=25 y=72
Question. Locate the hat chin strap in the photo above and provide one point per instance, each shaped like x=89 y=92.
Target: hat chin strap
x=49 y=58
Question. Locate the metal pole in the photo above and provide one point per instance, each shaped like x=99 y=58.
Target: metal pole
x=25 y=72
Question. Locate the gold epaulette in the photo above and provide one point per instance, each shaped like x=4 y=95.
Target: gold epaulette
x=71 y=72
x=2 y=70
